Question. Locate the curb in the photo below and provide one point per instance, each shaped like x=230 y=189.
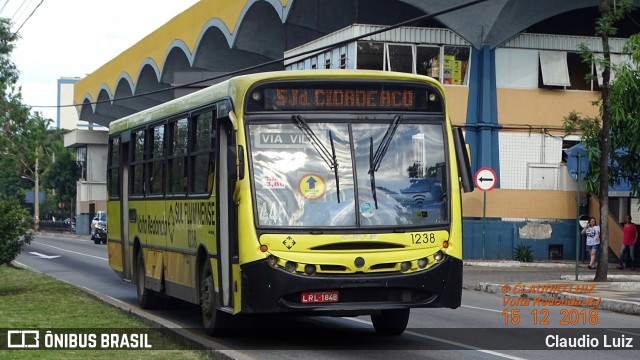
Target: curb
x=620 y=306
x=511 y=263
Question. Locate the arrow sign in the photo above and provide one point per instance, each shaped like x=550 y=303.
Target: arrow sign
x=485 y=179
x=312 y=183
x=43 y=255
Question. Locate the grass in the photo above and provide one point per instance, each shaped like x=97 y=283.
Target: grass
x=31 y=300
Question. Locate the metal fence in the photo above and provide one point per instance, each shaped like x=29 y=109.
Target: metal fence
x=57 y=226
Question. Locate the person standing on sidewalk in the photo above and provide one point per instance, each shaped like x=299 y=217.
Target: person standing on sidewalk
x=628 y=243
x=593 y=240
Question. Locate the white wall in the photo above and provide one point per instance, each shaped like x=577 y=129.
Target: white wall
x=97 y=163
x=519 y=155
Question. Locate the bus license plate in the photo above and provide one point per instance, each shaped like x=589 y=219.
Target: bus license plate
x=319 y=297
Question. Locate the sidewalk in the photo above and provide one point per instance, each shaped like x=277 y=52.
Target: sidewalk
x=556 y=282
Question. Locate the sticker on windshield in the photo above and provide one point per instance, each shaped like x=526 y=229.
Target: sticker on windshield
x=367 y=209
x=274 y=183
x=311 y=186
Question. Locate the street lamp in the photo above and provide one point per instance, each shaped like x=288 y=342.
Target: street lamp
x=36 y=197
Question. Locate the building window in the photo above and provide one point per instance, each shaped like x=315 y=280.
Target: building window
x=343 y=61
x=428 y=61
x=327 y=62
x=400 y=58
x=370 y=55
x=81 y=159
x=455 y=65
x=578 y=72
x=554 y=70
x=447 y=64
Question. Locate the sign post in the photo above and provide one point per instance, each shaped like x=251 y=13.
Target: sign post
x=577 y=164
x=485 y=180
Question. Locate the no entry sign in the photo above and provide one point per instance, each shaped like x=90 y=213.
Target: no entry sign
x=485 y=179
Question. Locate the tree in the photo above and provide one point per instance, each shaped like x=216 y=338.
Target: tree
x=597 y=132
x=26 y=144
x=62 y=176
x=30 y=144
x=625 y=118
x=15 y=231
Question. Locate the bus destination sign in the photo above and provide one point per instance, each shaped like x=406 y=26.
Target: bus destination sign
x=328 y=98
x=343 y=96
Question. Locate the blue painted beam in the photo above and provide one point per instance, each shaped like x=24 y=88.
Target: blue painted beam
x=482 y=111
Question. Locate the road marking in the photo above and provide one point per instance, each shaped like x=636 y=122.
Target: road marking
x=624 y=332
x=73 y=252
x=67 y=239
x=455 y=343
x=43 y=255
x=479 y=308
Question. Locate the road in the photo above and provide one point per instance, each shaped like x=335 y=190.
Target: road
x=484 y=327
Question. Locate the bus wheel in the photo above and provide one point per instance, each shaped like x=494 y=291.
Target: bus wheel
x=216 y=322
x=146 y=298
x=391 y=322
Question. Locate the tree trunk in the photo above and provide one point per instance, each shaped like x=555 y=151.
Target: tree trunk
x=36 y=197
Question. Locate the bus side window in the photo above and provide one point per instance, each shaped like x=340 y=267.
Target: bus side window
x=202 y=152
x=137 y=163
x=177 y=172
x=156 y=163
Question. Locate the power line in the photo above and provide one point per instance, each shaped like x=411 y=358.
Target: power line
x=18 y=9
x=4 y=6
x=30 y=15
x=271 y=62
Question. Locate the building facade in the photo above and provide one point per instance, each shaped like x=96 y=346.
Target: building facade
x=511 y=70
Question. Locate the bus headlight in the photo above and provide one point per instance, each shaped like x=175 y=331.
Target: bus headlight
x=422 y=263
x=438 y=256
x=272 y=260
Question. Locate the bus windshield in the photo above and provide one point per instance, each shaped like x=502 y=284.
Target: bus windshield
x=295 y=185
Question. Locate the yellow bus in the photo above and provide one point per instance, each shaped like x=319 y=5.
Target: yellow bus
x=322 y=192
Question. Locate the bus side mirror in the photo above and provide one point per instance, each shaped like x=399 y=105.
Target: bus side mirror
x=235 y=171
x=232 y=169
x=462 y=158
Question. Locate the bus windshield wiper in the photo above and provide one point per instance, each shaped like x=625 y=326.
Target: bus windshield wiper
x=329 y=157
x=376 y=160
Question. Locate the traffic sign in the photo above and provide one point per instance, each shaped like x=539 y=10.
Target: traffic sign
x=311 y=186
x=485 y=179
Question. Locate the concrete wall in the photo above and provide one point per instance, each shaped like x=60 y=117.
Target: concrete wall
x=502 y=237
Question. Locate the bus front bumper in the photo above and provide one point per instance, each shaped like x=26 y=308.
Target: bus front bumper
x=266 y=289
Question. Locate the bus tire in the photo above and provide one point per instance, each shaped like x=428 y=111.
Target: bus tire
x=146 y=297
x=216 y=322
x=391 y=322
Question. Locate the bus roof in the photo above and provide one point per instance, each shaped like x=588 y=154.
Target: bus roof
x=236 y=88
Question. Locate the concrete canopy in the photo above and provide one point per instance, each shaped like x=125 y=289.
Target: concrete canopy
x=216 y=37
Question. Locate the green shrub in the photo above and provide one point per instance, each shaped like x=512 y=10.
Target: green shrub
x=15 y=229
x=523 y=253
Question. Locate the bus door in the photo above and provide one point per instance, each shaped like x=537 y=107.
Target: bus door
x=227 y=224
x=124 y=206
